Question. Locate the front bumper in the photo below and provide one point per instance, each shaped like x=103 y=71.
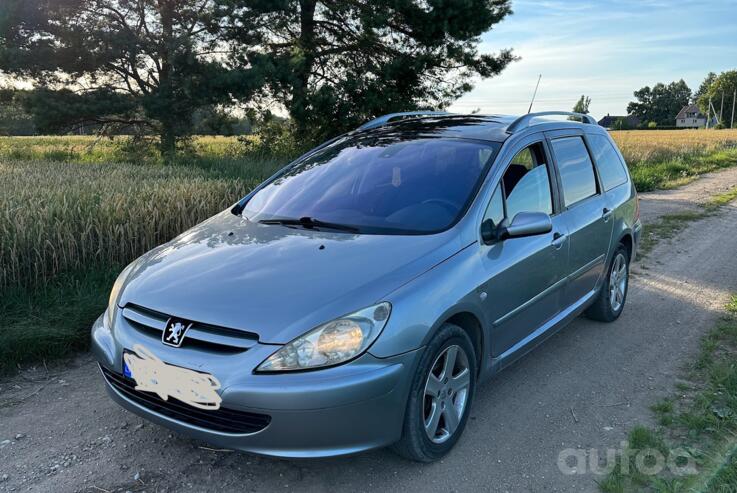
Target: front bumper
x=335 y=411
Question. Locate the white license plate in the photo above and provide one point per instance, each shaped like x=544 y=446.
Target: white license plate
x=165 y=380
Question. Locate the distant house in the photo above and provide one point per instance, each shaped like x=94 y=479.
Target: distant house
x=691 y=117
x=610 y=122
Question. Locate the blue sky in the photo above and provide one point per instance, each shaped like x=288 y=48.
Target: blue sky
x=605 y=49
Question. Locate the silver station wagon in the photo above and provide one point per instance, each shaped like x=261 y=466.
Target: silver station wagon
x=356 y=298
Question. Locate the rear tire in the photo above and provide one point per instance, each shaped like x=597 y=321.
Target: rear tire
x=440 y=396
x=612 y=296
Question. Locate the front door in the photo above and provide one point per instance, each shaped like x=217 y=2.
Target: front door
x=525 y=275
x=586 y=214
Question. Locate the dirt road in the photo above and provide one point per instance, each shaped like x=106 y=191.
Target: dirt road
x=583 y=389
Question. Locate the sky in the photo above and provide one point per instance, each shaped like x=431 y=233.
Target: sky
x=605 y=49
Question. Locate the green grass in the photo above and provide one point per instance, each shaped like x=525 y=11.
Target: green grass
x=674 y=172
x=722 y=199
x=626 y=475
x=725 y=479
x=701 y=419
x=52 y=321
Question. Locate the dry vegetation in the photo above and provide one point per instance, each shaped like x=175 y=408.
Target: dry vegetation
x=88 y=149
x=640 y=146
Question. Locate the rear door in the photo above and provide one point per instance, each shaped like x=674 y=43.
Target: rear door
x=586 y=213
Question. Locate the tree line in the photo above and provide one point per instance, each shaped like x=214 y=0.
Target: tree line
x=662 y=102
x=657 y=106
x=151 y=65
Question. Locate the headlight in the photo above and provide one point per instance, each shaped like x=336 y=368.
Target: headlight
x=112 y=304
x=332 y=343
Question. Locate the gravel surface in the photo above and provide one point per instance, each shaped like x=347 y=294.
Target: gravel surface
x=688 y=198
x=583 y=389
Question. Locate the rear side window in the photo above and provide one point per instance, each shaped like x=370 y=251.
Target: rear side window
x=611 y=169
x=576 y=169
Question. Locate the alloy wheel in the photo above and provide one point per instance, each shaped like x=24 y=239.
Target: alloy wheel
x=446 y=394
x=618 y=282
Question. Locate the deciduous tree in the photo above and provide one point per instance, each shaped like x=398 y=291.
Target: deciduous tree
x=661 y=103
x=704 y=86
x=582 y=105
x=14 y=120
x=723 y=85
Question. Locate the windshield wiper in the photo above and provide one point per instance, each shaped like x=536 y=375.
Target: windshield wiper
x=311 y=223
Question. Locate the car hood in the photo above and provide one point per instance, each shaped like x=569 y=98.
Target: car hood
x=276 y=281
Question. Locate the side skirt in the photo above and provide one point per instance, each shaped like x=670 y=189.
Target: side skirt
x=540 y=335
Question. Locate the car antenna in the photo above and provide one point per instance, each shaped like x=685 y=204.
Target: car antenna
x=535 y=93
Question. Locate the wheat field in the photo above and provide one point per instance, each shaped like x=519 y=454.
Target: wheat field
x=642 y=146
x=60 y=216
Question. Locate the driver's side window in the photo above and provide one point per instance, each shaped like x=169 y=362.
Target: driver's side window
x=525 y=187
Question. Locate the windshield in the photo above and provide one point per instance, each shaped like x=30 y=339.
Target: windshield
x=380 y=184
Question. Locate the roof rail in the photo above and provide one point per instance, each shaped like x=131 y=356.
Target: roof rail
x=524 y=120
x=384 y=119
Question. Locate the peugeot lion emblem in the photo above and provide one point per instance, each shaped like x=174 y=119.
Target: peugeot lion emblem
x=174 y=332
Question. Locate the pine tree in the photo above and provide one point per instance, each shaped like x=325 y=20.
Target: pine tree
x=336 y=64
x=120 y=63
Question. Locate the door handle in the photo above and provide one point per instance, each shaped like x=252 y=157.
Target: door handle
x=558 y=240
x=606 y=214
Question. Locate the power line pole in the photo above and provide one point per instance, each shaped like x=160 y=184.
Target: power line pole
x=708 y=114
x=721 y=108
x=734 y=98
x=715 y=114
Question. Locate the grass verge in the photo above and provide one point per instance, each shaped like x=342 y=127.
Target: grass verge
x=53 y=320
x=677 y=171
x=725 y=479
x=700 y=421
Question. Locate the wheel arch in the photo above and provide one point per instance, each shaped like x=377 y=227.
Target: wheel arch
x=471 y=324
x=628 y=242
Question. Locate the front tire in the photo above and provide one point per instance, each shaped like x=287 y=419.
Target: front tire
x=613 y=294
x=440 y=396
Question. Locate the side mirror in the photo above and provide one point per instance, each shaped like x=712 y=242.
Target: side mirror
x=523 y=224
x=489 y=232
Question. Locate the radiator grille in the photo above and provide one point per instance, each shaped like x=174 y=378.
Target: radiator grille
x=205 y=336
